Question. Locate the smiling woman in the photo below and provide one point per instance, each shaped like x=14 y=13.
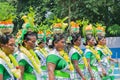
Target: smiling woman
x=7 y=45
x=27 y=59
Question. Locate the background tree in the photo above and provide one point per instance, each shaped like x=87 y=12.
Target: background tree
x=101 y=11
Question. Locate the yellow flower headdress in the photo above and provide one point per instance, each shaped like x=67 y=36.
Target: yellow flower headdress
x=88 y=30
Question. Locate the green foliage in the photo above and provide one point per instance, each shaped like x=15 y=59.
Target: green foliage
x=105 y=12
x=7 y=11
x=114 y=29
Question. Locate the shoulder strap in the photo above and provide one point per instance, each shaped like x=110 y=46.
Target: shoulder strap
x=73 y=50
x=22 y=56
x=41 y=56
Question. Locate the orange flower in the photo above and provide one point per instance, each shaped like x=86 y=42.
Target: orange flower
x=40 y=32
x=89 y=27
x=48 y=32
x=57 y=25
x=100 y=28
x=73 y=24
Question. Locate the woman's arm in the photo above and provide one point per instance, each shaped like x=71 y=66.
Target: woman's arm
x=1 y=77
x=75 y=62
x=113 y=60
x=90 y=70
x=51 y=68
x=22 y=72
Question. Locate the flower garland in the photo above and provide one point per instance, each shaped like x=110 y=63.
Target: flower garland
x=109 y=51
x=105 y=49
x=33 y=58
x=43 y=51
x=16 y=72
x=94 y=52
x=65 y=56
x=83 y=57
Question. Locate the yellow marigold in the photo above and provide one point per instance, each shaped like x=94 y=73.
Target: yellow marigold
x=71 y=67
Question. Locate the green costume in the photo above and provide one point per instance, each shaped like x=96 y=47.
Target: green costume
x=61 y=65
x=75 y=55
x=5 y=71
x=29 y=72
x=42 y=59
x=93 y=63
x=105 y=63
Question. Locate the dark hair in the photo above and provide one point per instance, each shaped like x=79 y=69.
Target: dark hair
x=99 y=37
x=87 y=38
x=28 y=34
x=47 y=41
x=75 y=37
x=4 y=39
x=56 y=38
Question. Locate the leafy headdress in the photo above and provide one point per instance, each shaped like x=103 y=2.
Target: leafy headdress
x=27 y=26
x=100 y=30
x=58 y=25
x=44 y=31
x=74 y=29
x=88 y=30
x=7 y=15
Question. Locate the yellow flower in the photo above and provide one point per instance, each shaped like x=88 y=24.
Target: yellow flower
x=33 y=58
x=62 y=53
x=16 y=72
x=71 y=67
x=85 y=61
x=94 y=52
x=66 y=57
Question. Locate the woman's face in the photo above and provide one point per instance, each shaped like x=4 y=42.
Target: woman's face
x=9 y=47
x=30 y=44
x=102 y=41
x=60 y=44
x=91 y=42
x=42 y=45
x=78 y=42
